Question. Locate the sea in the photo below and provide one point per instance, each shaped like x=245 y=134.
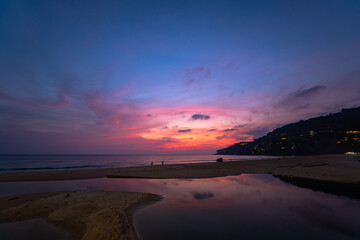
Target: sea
x=26 y=162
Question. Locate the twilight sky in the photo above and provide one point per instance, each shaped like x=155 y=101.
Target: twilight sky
x=170 y=76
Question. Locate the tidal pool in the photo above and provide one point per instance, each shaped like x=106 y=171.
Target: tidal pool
x=37 y=229
x=257 y=206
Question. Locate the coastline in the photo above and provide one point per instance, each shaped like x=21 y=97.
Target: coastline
x=331 y=168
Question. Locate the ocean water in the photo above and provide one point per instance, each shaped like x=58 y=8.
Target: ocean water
x=10 y=163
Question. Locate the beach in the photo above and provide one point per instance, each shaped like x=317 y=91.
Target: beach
x=107 y=214
x=332 y=168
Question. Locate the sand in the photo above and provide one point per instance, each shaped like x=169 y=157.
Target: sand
x=55 y=175
x=84 y=215
x=333 y=168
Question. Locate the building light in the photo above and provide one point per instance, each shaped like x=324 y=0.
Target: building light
x=352 y=153
x=353 y=132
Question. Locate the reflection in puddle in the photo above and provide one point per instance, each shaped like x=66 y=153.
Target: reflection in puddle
x=234 y=207
x=200 y=196
x=31 y=229
x=350 y=190
x=247 y=207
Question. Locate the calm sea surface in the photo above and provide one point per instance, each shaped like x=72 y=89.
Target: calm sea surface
x=257 y=206
x=58 y=162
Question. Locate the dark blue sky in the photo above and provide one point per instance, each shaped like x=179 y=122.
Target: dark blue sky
x=127 y=76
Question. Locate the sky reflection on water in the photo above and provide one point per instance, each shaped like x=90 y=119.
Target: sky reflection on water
x=37 y=229
x=247 y=207
x=234 y=207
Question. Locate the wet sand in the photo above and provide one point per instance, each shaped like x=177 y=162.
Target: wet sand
x=332 y=168
x=83 y=215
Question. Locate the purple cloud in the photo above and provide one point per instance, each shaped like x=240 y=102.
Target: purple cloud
x=200 y=117
x=299 y=98
x=229 y=130
x=169 y=140
x=259 y=132
x=184 y=130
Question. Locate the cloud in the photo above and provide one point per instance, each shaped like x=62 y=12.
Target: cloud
x=169 y=140
x=222 y=137
x=259 y=132
x=200 y=117
x=241 y=138
x=198 y=73
x=190 y=81
x=59 y=100
x=111 y=112
x=240 y=126
x=184 y=130
x=307 y=105
x=201 y=196
x=298 y=99
x=229 y=130
x=308 y=92
x=211 y=130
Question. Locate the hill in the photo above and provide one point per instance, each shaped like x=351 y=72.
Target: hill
x=332 y=134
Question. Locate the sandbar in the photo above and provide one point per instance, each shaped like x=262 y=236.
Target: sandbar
x=87 y=215
x=329 y=168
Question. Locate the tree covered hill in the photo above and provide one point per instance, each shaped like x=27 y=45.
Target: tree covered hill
x=332 y=134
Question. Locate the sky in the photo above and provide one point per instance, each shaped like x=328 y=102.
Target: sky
x=160 y=77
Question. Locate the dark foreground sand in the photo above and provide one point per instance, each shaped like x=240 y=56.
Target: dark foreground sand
x=87 y=215
x=332 y=168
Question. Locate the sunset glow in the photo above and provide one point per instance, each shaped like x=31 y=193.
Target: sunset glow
x=169 y=77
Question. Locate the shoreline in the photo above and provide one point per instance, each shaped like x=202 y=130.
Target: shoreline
x=331 y=168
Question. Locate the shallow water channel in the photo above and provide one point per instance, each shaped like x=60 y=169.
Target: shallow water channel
x=257 y=206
